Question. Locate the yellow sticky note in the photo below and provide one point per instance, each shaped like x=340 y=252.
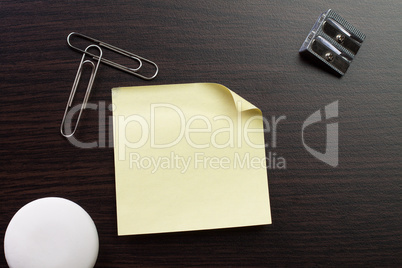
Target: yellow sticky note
x=188 y=157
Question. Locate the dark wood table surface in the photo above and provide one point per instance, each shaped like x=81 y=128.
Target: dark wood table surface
x=349 y=215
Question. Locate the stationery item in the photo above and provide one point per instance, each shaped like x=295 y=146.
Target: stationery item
x=135 y=71
x=51 y=232
x=188 y=157
x=333 y=41
x=68 y=128
x=94 y=70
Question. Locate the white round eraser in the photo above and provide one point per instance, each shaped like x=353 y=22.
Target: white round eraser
x=51 y=232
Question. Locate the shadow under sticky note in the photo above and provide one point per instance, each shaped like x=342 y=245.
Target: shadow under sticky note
x=188 y=157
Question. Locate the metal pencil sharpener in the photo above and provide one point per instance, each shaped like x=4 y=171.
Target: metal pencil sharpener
x=333 y=41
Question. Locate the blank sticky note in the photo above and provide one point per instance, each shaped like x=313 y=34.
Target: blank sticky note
x=188 y=157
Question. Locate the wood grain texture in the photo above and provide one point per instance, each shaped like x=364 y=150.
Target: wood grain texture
x=322 y=216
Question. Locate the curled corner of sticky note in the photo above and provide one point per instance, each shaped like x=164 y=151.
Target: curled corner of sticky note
x=240 y=103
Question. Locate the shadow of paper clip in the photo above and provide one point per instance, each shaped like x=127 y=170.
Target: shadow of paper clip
x=66 y=124
x=133 y=71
